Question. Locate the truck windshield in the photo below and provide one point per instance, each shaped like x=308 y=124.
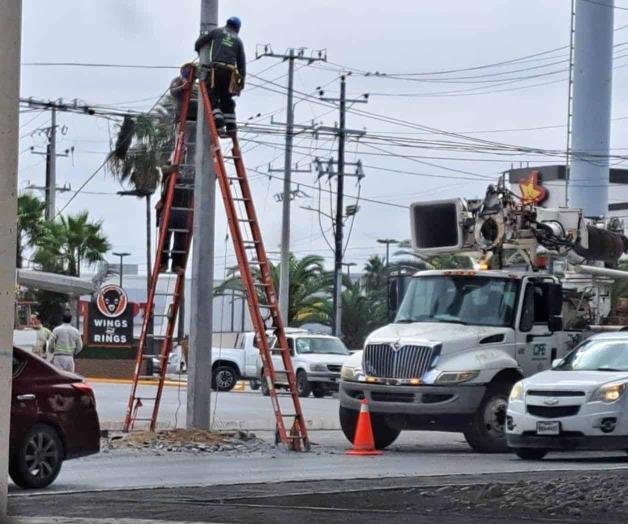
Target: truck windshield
x=460 y=299
x=597 y=355
x=330 y=346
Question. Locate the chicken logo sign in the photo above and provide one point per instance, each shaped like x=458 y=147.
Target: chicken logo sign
x=532 y=192
x=112 y=301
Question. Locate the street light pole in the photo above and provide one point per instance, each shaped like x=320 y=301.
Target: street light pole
x=121 y=255
x=387 y=241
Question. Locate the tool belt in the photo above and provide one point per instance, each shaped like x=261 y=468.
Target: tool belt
x=235 y=83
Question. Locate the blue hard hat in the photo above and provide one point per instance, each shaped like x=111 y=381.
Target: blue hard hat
x=234 y=22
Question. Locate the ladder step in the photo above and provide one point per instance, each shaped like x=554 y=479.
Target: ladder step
x=175 y=251
x=241 y=199
x=187 y=187
x=247 y=220
x=162 y=294
x=178 y=230
x=227 y=157
x=150 y=357
x=189 y=209
x=235 y=178
x=143 y=419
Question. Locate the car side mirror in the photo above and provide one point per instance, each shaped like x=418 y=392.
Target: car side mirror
x=393 y=298
x=557 y=362
x=555 y=323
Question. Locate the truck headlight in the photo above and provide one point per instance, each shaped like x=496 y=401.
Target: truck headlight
x=516 y=393
x=318 y=367
x=455 y=377
x=608 y=392
x=351 y=373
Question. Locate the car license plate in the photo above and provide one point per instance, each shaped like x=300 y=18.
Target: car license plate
x=548 y=428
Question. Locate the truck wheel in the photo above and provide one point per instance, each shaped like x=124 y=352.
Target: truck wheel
x=303 y=386
x=264 y=385
x=383 y=434
x=530 y=453
x=318 y=391
x=224 y=378
x=488 y=427
x=254 y=384
x=37 y=461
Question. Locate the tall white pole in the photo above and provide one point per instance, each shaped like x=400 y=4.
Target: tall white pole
x=284 y=268
x=10 y=25
x=201 y=293
x=592 y=90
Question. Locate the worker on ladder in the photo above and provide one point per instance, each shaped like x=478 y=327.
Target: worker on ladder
x=177 y=89
x=226 y=73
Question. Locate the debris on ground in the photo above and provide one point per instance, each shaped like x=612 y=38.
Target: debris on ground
x=185 y=441
x=600 y=495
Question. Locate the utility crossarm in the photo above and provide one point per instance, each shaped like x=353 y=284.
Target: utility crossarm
x=64 y=284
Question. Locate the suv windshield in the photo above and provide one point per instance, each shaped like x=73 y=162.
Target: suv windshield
x=460 y=299
x=597 y=355
x=331 y=346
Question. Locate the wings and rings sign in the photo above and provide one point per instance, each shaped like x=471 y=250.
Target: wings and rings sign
x=110 y=318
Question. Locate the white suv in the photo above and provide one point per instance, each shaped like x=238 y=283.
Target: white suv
x=581 y=403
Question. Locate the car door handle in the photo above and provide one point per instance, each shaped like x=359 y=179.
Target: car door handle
x=27 y=396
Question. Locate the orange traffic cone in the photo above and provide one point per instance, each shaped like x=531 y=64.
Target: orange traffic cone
x=364 y=442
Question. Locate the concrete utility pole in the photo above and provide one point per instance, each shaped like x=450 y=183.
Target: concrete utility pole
x=10 y=26
x=342 y=135
x=592 y=90
x=201 y=291
x=284 y=268
x=51 y=164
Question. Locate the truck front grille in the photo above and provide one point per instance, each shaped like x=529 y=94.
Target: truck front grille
x=383 y=361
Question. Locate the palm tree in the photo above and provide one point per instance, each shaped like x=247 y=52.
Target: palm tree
x=362 y=312
x=410 y=260
x=30 y=217
x=309 y=283
x=70 y=242
x=144 y=145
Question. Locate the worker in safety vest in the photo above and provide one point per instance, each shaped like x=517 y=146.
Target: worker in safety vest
x=40 y=348
x=66 y=343
x=226 y=73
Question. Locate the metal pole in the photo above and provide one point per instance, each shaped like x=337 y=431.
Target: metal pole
x=284 y=268
x=337 y=299
x=572 y=26
x=51 y=182
x=121 y=269
x=10 y=25
x=592 y=90
x=201 y=310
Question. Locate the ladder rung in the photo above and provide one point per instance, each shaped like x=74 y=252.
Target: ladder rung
x=228 y=157
x=184 y=186
x=178 y=230
x=173 y=208
x=150 y=357
x=241 y=199
x=174 y=251
x=248 y=220
x=235 y=178
x=143 y=419
x=160 y=294
x=257 y=262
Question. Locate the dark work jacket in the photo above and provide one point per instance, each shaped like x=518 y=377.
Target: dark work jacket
x=225 y=47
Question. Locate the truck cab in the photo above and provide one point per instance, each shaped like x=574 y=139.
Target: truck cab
x=458 y=343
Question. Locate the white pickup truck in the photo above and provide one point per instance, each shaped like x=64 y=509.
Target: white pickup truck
x=228 y=364
x=316 y=360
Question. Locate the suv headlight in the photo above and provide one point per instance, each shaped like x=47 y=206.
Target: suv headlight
x=318 y=367
x=455 y=377
x=351 y=373
x=516 y=393
x=608 y=392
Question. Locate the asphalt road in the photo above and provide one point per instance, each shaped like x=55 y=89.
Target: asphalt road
x=235 y=410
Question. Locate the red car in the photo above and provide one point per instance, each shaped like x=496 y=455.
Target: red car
x=53 y=418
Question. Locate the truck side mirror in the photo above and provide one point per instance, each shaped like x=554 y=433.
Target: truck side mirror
x=527 y=312
x=554 y=299
x=555 y=323
x=393 y=298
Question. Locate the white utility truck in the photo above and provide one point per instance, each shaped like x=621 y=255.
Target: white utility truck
x=461 y=338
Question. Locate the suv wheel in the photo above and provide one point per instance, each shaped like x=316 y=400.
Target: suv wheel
x=383 y=434
x=488 y=427
x=38 y=458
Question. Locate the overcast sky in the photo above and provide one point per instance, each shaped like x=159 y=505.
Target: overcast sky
x=398 y=36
